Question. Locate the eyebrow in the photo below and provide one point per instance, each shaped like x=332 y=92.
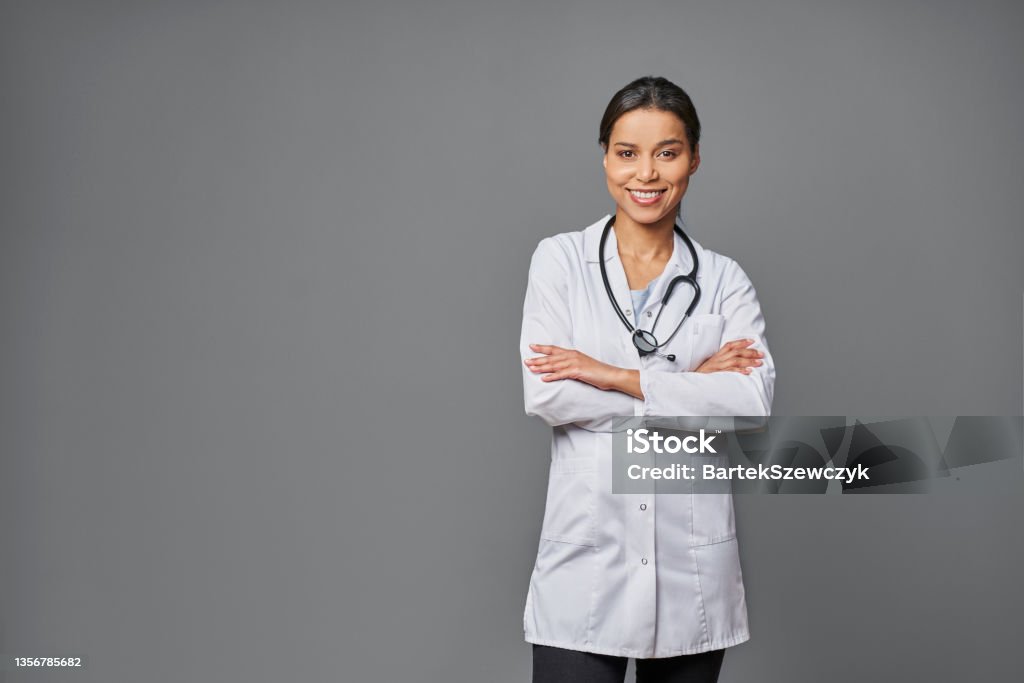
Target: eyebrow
x=669 y=141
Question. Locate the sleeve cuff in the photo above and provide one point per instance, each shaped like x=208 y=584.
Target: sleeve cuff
x=645 y=387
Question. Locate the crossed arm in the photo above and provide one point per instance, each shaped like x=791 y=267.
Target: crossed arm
x=563 y=385
x=557 y=363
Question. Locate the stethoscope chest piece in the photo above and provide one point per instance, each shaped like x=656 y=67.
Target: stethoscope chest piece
x=645 y=342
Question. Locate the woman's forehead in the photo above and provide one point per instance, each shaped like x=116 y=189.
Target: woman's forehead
x=647 y=126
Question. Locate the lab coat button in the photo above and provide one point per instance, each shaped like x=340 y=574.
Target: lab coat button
x=643 y=506
x=649 y=314
x=643 y=560
x=628 y=312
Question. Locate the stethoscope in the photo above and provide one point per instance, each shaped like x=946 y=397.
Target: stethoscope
x=644 y=341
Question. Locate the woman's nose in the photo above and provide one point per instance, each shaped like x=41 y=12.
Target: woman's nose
x=646 y=174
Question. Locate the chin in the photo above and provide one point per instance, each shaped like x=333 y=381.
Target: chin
x=648 y=215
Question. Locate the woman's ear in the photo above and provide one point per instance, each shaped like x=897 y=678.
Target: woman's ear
x=604 y=157
x=695 y=159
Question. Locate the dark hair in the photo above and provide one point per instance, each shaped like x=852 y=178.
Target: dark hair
x=651 y=92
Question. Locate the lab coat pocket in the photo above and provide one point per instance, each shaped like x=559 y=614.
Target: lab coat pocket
x=569 y=512
x=714 y=519
x=722 y=594
x=705 y=338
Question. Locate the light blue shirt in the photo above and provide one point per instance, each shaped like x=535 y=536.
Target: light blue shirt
x=640 y=297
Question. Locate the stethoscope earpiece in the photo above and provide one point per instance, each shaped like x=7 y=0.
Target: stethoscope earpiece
x=644 y=340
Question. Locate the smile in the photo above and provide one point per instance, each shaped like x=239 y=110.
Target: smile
x=646 y=198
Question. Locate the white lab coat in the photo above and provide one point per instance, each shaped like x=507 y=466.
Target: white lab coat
x=635 y=575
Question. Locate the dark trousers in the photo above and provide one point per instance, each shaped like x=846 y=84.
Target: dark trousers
x=557 y=665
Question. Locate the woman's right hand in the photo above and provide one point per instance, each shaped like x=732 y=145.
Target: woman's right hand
x=733 y=357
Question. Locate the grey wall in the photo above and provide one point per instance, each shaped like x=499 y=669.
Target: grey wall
x=261 y=278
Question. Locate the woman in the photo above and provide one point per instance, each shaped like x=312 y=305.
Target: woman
x=656 y=578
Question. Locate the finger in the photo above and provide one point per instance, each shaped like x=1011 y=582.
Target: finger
x=554 y=376
x=545 y=348
x=747 y=354
x=728 y=357
x=735 y=344
x=558 y=353
x=730 y=363
x=547 y=361
x=744 y=360
x=543 y=358
x=738 y=361
x=551 y=364
x=560 y=365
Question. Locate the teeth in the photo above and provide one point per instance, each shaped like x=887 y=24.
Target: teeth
x=645 y=195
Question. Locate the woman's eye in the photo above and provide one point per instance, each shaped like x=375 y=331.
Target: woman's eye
x=670 y=153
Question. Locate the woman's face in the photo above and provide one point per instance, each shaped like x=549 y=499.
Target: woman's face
x=648 y=150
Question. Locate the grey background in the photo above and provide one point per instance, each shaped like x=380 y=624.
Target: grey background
x=262 y=274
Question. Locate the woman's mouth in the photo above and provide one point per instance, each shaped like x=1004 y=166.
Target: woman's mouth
x=646 y=198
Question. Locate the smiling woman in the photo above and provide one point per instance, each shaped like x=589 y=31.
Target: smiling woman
x=652 y=577
x=650 y=142
x=650 y=170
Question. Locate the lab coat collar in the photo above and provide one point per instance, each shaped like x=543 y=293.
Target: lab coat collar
x=680 y=262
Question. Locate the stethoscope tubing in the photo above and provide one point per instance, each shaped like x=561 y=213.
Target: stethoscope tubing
x=690 y=279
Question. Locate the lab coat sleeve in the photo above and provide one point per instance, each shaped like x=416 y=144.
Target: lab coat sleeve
x=668 y=393
x=547 y=319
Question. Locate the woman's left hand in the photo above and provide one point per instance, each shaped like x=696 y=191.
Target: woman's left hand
x=559 y=363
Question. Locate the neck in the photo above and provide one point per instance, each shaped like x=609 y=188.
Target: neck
x=645 y=241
